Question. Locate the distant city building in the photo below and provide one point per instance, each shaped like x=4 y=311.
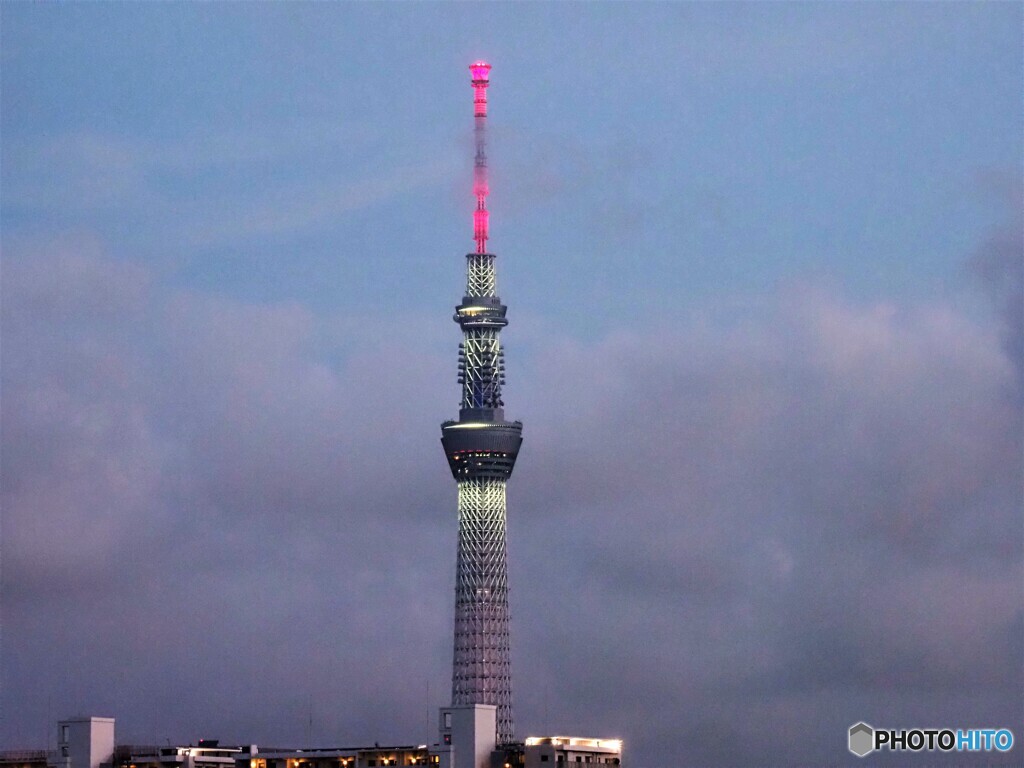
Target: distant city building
x=82 y=742
x=208 y=754
x=25 y=758
x=571 y=750
x=85 y=742
x=467 y=738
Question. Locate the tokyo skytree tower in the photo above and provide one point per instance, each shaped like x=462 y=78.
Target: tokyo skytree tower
x=481 y=448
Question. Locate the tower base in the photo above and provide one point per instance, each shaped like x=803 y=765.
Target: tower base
x=467 y=736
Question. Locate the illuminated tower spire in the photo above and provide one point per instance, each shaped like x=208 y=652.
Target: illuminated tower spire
x=481 y=80
x=481 y=448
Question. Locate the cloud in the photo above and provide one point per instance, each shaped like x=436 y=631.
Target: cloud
x=999 y=265
x=816 y=514
x=731 y=540
x=301 y=209
x=82 y=177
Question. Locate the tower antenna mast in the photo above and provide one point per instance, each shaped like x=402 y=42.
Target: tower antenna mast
x=481 y=79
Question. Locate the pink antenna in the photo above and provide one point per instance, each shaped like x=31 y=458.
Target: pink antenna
x=481 y=74
x=481 y=79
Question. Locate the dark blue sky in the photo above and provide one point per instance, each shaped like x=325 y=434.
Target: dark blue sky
x=763 y=264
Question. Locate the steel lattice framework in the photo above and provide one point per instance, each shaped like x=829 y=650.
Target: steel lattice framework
x=481 y=448
x=481 y=369
x=481 y=672
x=481 y=278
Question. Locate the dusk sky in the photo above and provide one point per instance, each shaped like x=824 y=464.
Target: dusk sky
x=763 y=265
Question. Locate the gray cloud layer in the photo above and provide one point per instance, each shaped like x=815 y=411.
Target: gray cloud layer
x=728 y=543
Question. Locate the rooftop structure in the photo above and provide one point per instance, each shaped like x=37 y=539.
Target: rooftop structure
x=25 y=758
x=208 y=754
x=574 y=750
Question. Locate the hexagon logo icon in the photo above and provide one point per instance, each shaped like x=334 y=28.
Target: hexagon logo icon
x=862 y=739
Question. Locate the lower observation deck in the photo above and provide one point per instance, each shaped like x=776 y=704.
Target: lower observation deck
x=481 y=448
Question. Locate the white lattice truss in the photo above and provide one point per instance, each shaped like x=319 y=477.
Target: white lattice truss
x=481 y=672
x=480 y=275
x=481 y=368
